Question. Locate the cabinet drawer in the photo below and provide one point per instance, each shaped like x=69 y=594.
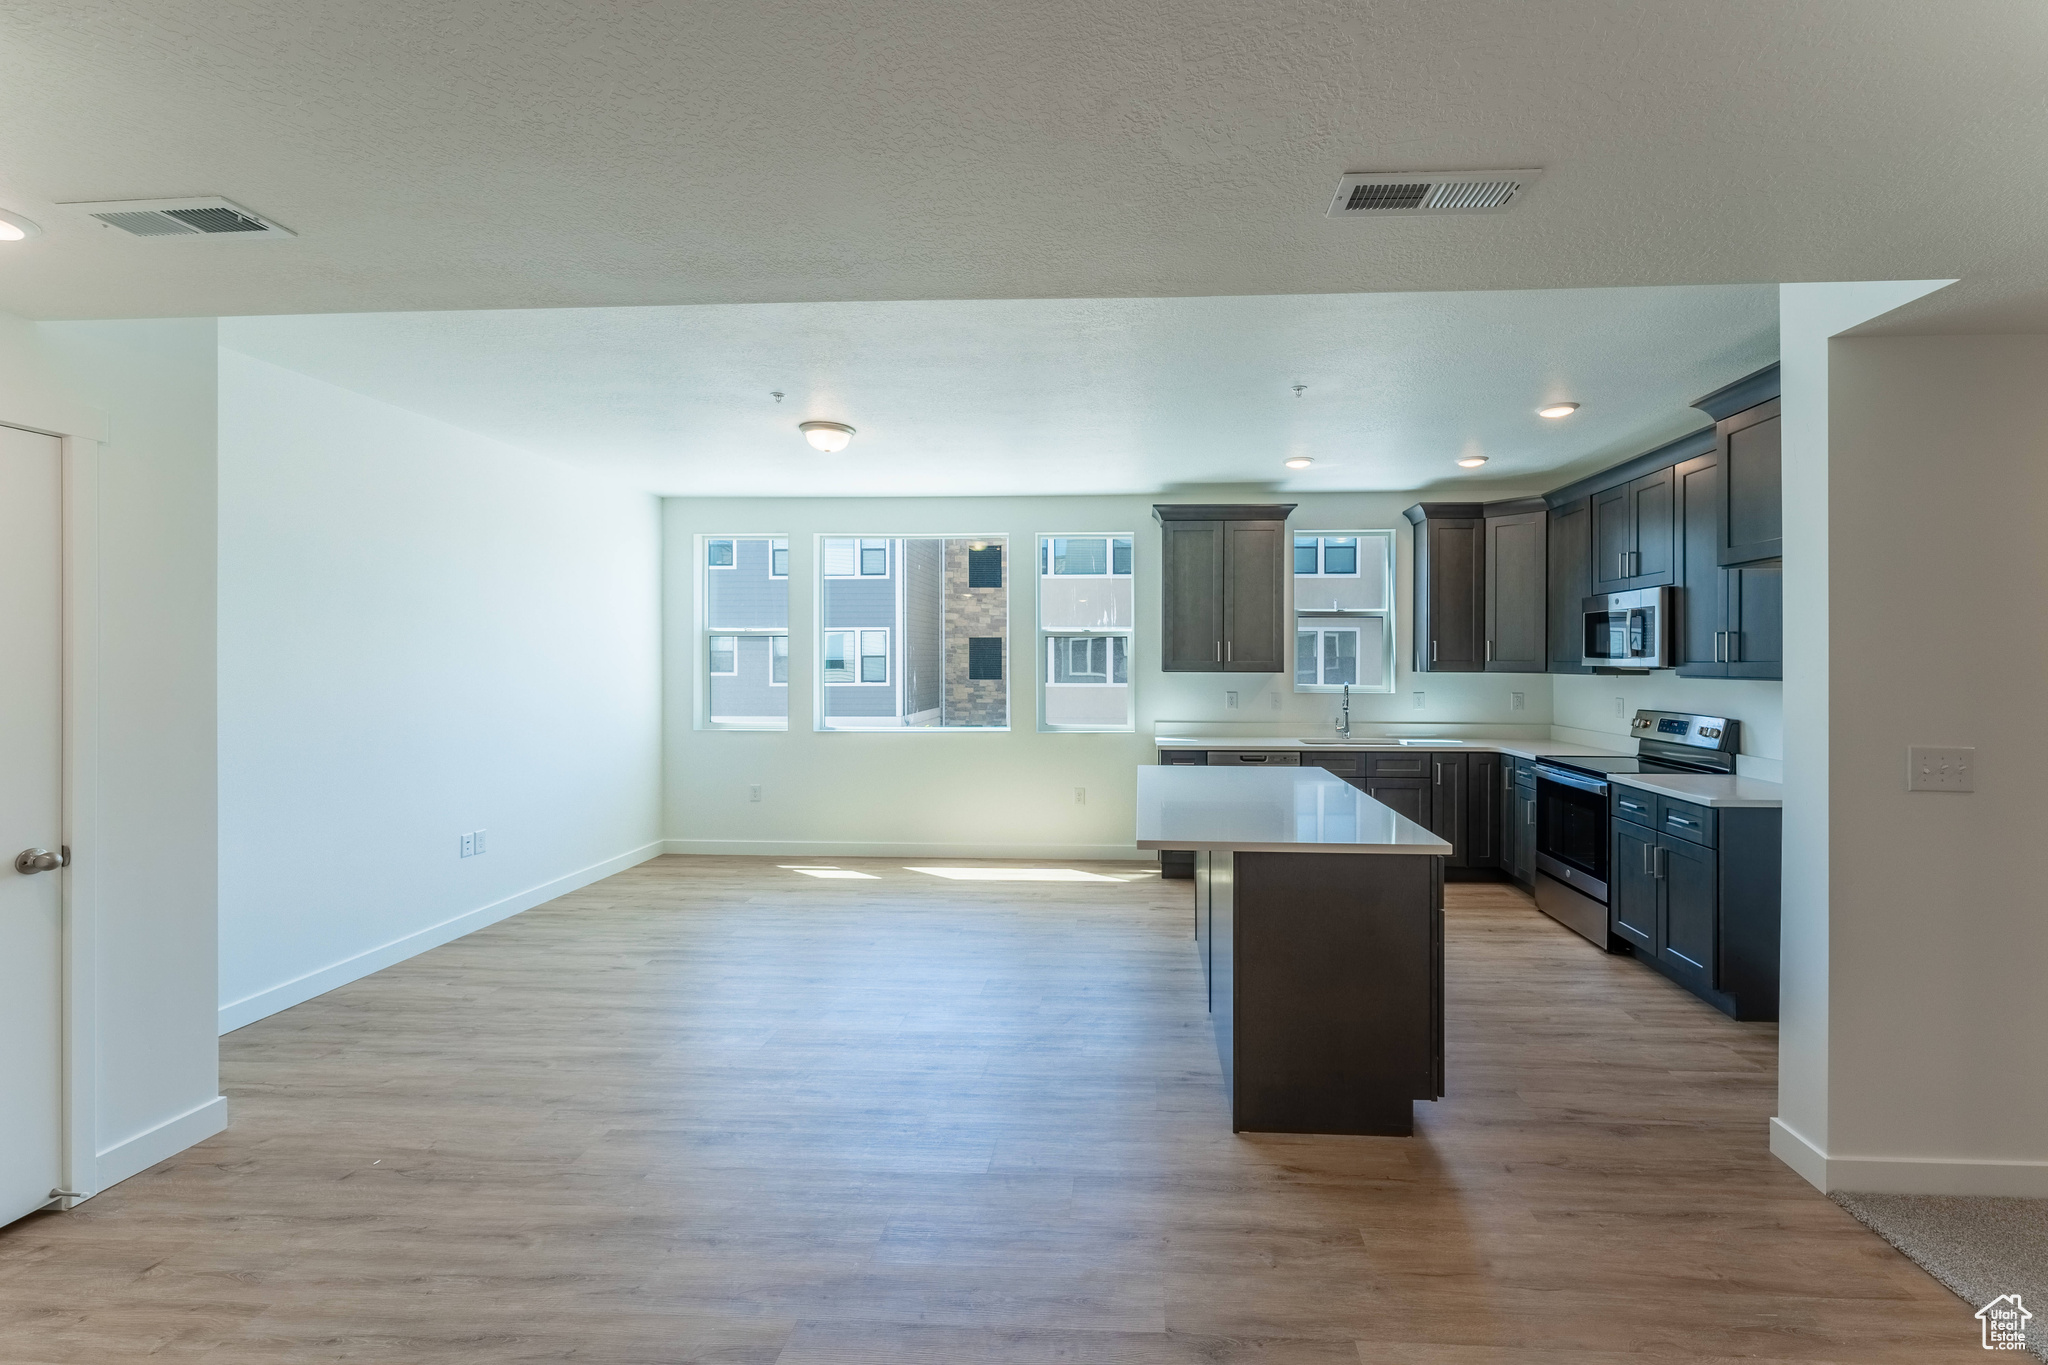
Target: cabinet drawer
x=1398 y=765
x=1339 y=765
x=1634 y=805
x=1684 y=820
x=1184 y=757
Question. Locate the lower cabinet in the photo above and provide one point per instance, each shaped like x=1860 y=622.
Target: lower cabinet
x=1485 y=825
x=1701 y=908
x=1407 y=796
x=1522 y=824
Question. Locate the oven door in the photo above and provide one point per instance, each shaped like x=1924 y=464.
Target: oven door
x=1571 y=829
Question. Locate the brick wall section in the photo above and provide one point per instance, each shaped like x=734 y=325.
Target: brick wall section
x=971 y=612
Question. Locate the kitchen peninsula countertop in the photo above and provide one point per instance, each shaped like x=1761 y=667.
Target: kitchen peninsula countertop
x=1705 y=789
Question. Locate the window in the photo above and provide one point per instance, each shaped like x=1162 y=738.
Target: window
x=1325 y=556
x=913 y=632
x=1344 y=615
x=984 y=658
x=745 y=624
x=1085 y=619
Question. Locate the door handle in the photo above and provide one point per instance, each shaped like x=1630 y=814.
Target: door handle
x=1219 y=651
x=30 y=861
x=1229 y=647
x=1489 y=651
x=1432 y=651
x=1439 y=774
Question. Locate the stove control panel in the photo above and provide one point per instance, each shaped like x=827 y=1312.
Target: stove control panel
x=1676 y=727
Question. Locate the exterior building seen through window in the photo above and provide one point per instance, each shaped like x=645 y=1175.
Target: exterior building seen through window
x=1344 y=611
x=1086 y=614
x=746 y=628
x=913 y=632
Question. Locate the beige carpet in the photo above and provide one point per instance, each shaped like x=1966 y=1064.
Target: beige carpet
x=1978 y=1246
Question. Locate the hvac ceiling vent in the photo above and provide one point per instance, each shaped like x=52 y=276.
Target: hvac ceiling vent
x=208 y=217
x=1378 y=194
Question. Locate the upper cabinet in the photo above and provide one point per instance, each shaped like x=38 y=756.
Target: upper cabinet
x=1570 y=547
x=1517 y=612
x=1746 y=427
x=1480 y=605
x=1633 y=534
x=1224 y=589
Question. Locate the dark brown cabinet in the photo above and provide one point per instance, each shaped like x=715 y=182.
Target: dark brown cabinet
x=1409 y=796
x=1517 y=606
x=1223 y=601
x=1485 y=815
x=1633 y=534
x=1450 y=587
x=1449 y=817
x=1730 y=619
x=1569 y=548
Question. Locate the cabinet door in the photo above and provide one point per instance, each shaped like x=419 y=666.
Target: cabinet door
x=1255 y=573
x=1447 y=813
x=1570 y=551
x=1753 y=520
x=1691 y=908
x=1407 y=796
x=1517 y=607
x=1701 y=595
x=1650 y=498
x=1632 y=886
x=1756 y=620
x=1486 y=798
x=1191 y=618
x=1614 y=539
x=1451 y=636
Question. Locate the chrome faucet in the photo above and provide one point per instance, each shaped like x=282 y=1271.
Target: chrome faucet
x=1343 y=721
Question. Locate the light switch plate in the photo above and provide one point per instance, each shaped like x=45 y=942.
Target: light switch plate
x=478 y=838
x=1940 y=770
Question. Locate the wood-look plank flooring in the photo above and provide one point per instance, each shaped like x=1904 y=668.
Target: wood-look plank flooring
x=710 y=1110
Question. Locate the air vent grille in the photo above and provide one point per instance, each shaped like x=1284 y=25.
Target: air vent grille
x=1367 y=194
x=209 y=217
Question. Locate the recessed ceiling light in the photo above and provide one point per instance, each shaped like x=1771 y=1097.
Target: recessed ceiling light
x=1300 y=462
x=15 y=228
x=830 y=437
x=1558 y=410
x=1472 y=462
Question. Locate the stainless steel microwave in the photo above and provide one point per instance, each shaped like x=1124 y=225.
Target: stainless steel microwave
x=1629 y=629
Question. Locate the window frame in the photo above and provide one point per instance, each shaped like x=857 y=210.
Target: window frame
x=1361 y=619
x=1047 y=635
x=1321 y=537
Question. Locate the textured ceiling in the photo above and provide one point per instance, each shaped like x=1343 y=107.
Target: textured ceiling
x=1069 y=396
x=439 y=154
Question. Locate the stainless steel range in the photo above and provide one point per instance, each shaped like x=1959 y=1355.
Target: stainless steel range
x=1573 y=837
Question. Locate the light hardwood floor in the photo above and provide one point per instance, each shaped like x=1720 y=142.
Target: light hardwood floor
x=712 y=1110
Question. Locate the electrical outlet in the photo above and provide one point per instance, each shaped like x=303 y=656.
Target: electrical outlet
x=1621 y=706
x=1940 y=770
x=1418 y=701
x=1230 y=701
x=1517 y=701
x=469 y=845
x=754 y=792
x=477 y=840
x=1080 y=796
x=1276 y=700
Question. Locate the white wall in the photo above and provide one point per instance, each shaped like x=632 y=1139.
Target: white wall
x=144 y=889
x=1585 y=706
x=1009 y=794
x=1931 y=1029
x=422 y=632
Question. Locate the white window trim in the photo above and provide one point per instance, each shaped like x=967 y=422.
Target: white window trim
x=1360 y=618
x=1046 y=634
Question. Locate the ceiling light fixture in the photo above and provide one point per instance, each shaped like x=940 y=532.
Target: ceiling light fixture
x=1300 y=462
x=1472 y=462
x=15 y=228
x=1558 y=410
x=830 y=437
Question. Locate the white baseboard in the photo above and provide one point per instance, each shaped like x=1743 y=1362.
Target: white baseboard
x=798 y=848
x=1906 y=1175
x=137 y=1154
x=240 y=1013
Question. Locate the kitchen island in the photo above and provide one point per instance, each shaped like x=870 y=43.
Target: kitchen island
x=1319 y=923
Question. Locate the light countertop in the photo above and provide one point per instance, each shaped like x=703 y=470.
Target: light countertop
x=1704 y=789
x=1270 y=810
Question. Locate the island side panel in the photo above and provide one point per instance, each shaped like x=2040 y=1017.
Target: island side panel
x=1218 y=893
x=1337 y=987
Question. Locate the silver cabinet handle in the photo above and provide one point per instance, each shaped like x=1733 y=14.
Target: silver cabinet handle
x=1229 y=647
x=1439 y=774
x=1219 y=651
x=1432 y=651
x=1489 y=651
x=30 y=861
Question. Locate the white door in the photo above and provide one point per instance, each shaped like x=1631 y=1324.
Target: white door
x=31 y=910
